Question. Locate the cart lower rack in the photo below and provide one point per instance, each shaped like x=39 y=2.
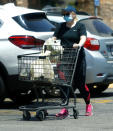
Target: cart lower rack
x=52 y=73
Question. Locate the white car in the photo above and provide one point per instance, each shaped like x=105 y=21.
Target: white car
x=22 y=31
x=98 y=49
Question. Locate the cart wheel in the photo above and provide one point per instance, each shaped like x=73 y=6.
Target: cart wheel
x=75 y=113
x=45 y=113
x=26 y=115
x=40 y=115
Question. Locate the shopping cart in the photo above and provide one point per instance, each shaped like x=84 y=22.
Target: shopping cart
x=51 y=72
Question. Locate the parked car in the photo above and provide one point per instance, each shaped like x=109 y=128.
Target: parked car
x=98 y=49
x=22 y=31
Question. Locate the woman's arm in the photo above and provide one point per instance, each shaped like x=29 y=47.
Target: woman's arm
x=81 y=42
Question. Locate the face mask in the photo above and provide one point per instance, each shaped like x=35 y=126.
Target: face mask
x=68 y=18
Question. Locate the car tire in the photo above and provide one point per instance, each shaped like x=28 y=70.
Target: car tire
x=2 y=90
x=96 y=89
x=22 y=98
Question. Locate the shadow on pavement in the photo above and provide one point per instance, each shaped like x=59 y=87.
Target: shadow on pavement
x=104 y=94
x=8 y=104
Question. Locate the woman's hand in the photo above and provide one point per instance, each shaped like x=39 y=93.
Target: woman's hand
x=54 y=38
x=76 y=45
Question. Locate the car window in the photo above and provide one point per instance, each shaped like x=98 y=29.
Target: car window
x=54 y=23
x=97 y=27
x=34 y=22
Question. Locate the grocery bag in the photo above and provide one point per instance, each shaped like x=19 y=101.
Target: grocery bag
x=42 y=67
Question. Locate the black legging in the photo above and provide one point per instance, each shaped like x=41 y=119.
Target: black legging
x=79 y=76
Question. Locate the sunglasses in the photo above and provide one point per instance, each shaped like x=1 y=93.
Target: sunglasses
x=66 y=14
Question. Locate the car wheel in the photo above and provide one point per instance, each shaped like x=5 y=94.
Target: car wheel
x=2 y=90
x=26 y=115
x=22 y=98
x=97 y=89
x=40 y=115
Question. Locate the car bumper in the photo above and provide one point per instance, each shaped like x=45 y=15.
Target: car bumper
x=98 y=70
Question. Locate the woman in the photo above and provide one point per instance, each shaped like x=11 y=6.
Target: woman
x=73 y=35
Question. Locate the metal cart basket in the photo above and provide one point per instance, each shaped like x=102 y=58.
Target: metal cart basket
x=51 y=71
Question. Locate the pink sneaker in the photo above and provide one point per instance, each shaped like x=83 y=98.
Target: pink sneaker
x=89 y=109
x=63 y=112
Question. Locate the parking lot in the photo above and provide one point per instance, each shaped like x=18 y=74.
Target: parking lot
x=11 y=117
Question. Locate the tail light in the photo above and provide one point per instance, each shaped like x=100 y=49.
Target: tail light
x=26 y=42
x=92 y=44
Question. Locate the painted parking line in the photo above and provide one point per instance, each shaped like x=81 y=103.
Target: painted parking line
x=95 y=101
x=101 y=101
x=9 y=112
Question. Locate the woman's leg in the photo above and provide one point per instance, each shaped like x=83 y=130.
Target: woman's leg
x=65 y=100
x=84 y=90
x=79 y=82
x=86 y=96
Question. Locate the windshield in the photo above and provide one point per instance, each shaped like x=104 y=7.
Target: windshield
x=97 y=27
x=36 y=22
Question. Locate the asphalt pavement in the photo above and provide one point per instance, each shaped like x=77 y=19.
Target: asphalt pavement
x=102 y=119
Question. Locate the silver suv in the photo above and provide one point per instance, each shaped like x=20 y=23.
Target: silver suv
x=22 y=31
x=98 y=49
